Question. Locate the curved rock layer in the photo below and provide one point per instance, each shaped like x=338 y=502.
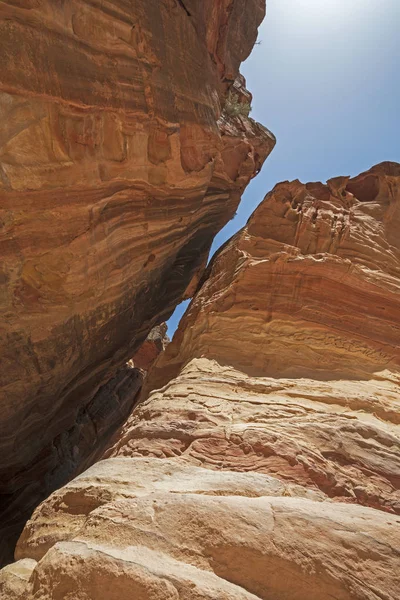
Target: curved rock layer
x=117 y=169
x=309 y=288
x=297 y=328
x=265 y=460
x=162 y=529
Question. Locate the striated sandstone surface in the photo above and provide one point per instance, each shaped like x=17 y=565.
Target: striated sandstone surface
x=309 y=288
x=299 y=315
x=117 y=169
x=263 y=460
x=340 y=437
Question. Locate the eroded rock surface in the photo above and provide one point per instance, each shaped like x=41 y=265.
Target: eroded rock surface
x=162 y=529
x=115 y=175
x=341 y=437
x=263 y=460
x=309 y=288
x=298 y=319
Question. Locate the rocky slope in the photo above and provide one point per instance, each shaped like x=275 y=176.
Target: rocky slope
x=263 y=460
x=117 y=169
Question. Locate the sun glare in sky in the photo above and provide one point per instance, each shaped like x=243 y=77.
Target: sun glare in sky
x=319 y=10
x=316 y=8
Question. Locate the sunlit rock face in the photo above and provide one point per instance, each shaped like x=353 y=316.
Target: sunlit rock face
x=296 y=332
x=159 y=529
x=309 y=288
x=263 y=459
x=114 y=180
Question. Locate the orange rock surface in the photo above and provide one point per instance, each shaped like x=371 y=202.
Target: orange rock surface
x=117 y=169
x=263 y=460
x=309 y=288
x=299 y=316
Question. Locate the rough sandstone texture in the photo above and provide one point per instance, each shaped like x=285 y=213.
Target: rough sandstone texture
x=117 y=169
x=161 y=529
x=263 y=460
x=297 y=324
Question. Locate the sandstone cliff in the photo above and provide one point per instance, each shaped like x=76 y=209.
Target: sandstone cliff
x=305 y=303
x=263 y=460
x=117 y=169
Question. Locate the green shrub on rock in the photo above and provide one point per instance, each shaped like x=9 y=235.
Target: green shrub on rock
x=234 y=108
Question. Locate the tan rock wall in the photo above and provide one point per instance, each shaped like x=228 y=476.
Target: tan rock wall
x=309 y=288
x=160 y=529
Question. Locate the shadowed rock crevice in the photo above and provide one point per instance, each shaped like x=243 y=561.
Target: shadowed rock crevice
x=184 y=8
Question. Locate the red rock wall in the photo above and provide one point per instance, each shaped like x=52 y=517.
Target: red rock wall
x=112 y=187
x=309 y=288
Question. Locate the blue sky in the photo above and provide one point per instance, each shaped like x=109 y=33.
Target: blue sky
x=325 y=80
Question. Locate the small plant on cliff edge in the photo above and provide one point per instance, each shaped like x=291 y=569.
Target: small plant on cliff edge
x=234 y=108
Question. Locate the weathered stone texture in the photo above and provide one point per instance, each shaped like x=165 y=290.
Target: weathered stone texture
x=309 y=288
x=263 y=460
x=113 y=183
x=162 y=529
x=288 y=359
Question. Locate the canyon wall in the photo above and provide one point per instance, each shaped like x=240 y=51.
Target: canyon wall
x=118 y=165
x=263 y=458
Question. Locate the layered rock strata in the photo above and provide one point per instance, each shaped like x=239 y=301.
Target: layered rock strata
x=163 y=529
x=300 y=312
x=117 y=169
x=263 y=461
